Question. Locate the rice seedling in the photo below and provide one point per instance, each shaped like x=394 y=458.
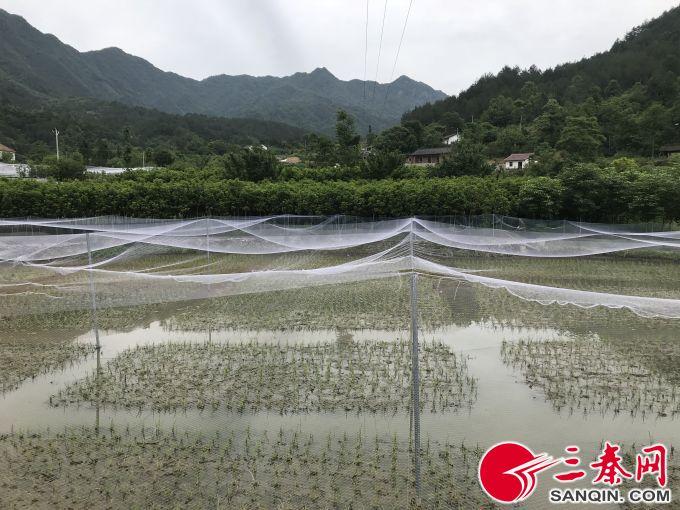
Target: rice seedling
x=23 y=358
x=344 y=376
x=380 y=304
x=628 y=453
x=588 y=375
x=291 y=469
x=638 y=272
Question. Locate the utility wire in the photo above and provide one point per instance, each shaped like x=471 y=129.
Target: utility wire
x=366 y=51
x=377 y=65
x=396 y=58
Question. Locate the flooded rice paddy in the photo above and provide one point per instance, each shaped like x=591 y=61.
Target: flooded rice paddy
x=301 y=399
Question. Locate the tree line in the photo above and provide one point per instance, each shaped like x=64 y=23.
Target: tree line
x=625 y=101
x=620 y=191
x=116 y=135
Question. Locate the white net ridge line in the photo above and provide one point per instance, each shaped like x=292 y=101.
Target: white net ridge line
x=148 y=262
x=114 y=288
x=260 y=237
x=546 y=295
x=252 y=242
x=291 y=223
x=398 y=251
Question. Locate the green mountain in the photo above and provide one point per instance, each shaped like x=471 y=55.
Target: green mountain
x=103 y=131
x=35 y=66
x=630 y=96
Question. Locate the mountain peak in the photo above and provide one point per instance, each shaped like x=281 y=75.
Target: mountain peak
x=322 y=71
x=41 y=66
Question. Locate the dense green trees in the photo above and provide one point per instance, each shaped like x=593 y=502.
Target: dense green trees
x=64 y=168
x=347 y=139
x=627 y=101
x=467 y=159
x=111 y=134
x=586 y=126
x=163 y=157
x=249 y=164
x=581 y=137
x=397 y=138
x=619 y=191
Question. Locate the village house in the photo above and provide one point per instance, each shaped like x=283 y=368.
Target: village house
x=4 y=151
x=428 y=157
x=291 y=160
x=451 y=139
x=518 y=161
x=669 y=150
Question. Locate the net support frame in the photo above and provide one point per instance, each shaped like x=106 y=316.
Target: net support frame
x=415 y=368
x=95 y=326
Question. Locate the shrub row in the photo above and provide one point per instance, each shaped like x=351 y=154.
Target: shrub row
x=645 y=197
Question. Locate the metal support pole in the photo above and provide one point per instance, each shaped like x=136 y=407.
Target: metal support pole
x=207 y=236
x=207 y=248
x=416 y=380
x=415 y=369
x=92 y=293
x=95 y=326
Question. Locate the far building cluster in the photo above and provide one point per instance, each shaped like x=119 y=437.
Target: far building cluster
x=435 y=155
x=7 y=153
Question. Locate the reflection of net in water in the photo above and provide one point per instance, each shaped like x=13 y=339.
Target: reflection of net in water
x=336 y=274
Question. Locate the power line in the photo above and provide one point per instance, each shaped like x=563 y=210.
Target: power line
x=377 y=65
x=401 y=39
x=396 y=58
x=366 y=51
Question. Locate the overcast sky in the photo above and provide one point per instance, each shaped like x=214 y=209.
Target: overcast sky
x=448 y=43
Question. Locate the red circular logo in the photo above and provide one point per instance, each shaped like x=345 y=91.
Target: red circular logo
x=507 y=471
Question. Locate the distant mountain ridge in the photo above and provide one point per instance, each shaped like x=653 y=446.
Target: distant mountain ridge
x=35 y=66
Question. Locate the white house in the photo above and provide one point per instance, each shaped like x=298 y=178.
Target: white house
x=451 y=139
x=6 y=150
x=14 y=170
x=518 y=161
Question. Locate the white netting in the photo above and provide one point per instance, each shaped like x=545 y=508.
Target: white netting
x=52 y=265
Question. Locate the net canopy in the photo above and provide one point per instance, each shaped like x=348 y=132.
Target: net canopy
x=304 y=361
x=55 y=265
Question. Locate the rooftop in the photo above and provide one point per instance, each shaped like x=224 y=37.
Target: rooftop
x=670 y=148
x=4 y=148
x=520 y=156
x=431 y=152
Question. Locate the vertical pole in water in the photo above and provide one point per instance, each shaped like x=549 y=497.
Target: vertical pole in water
x=94 y=321
x=207 y=245
x=207 y=236
x=415 y=375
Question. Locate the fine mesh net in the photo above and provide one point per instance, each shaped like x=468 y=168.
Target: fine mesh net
x=269 y=362
x=133 y=262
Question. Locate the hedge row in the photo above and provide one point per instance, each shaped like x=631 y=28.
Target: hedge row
x=650 y=197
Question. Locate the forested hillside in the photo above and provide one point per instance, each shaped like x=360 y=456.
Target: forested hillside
x=35 y=66
x=625 y=100
x=115 y=135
